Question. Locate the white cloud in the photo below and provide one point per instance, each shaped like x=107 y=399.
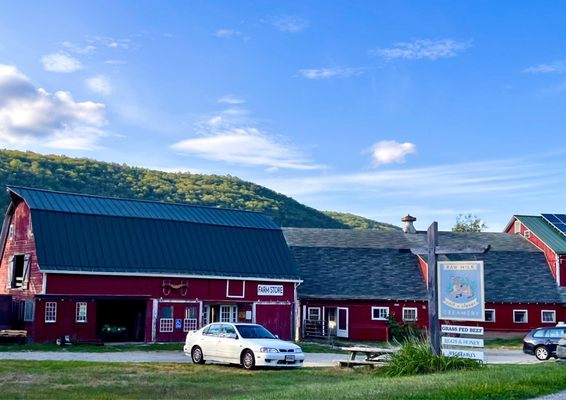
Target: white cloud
x=245 y=146
x=115 y=62
x=60 y=62
x=558 y=67
x=290 y=23
x=502 y=178
x=99 y=84
x=231 y=99
x=33 y=116
x=75 y=48
x=422 y=49
x=227 y=33
x=389 y=151
x=327 y=73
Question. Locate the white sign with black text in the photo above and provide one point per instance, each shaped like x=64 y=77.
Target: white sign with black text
x=462 y=329
x=270 y=290
x=457 y=341
x=474 y=355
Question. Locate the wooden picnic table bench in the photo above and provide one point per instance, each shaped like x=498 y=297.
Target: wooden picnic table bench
x=373 y=355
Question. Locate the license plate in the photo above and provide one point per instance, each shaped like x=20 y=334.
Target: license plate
x=290 y=358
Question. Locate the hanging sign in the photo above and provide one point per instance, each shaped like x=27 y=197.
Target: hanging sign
x=461 y=341
x=474 y=355
x=462 y=329
x=461 y=290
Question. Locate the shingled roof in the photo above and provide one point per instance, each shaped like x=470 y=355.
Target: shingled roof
x=91 y=234
x=358 y=264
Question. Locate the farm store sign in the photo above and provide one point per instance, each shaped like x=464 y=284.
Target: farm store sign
x=270 y=290
x=461 y=290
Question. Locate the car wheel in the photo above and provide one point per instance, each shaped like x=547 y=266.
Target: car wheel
x=248 y=360
x=197 y=356
x=542 y=353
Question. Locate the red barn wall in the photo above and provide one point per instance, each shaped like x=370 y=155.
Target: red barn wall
x=22 y=243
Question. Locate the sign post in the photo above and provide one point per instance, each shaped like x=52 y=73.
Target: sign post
x=432 y=251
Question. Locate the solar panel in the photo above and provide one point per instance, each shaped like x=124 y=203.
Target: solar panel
x=557 y=220
x=552 y=218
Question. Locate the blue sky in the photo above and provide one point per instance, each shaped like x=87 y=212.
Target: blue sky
x=375 y=108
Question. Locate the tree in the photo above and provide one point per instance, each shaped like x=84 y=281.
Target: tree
x=468 y=223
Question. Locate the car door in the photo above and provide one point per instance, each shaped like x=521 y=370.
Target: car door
x=555 y=335
x=209 y=342
x=229 y=344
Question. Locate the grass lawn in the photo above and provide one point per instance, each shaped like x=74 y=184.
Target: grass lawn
x=83 y=380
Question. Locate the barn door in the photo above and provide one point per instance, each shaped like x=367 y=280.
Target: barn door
x=342 y=325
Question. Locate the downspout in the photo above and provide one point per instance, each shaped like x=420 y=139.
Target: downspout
x=558 y=269
x=297 y=313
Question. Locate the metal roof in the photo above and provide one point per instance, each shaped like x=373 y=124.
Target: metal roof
x=545 y=232
x=97 y=205
x=70 y=238
x=379 y=265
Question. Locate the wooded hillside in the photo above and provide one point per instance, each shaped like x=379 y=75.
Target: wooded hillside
x=88 y=176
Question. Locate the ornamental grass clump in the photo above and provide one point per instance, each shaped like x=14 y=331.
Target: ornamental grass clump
x=416 y=358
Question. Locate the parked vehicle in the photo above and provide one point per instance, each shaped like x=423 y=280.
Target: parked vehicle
x=249 y=345
x=542 y=342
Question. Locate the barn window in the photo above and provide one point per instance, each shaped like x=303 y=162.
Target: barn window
x=517 y=226
x=29 y=310
x=191 y=320
x=81 y=310
x=50 y=311
x=409 y=313
x=489 y=315
x=313 y=313
x=228 y=313
x=520 y=316
x=166 y=319
x=11 y=232
x=379 y=313
x=18 y=271
x=548 y=316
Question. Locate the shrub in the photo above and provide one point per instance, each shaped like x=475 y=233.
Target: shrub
x=417 y=358
x=401 y=332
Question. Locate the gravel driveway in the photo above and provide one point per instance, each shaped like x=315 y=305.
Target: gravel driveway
x=312 y=359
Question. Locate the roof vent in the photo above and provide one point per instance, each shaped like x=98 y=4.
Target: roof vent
x=408 y=224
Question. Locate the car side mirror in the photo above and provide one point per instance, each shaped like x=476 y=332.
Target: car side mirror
x=277 y=336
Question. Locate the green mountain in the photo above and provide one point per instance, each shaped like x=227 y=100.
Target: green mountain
x=88 y=176
x=356 y=222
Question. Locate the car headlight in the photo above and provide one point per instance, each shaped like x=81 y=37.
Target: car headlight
x=298 y=350
x=268 y=350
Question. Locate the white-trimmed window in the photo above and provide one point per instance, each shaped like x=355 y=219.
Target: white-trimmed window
x=228 y=313
x=520 y=316
x=517 y=226
x=166 y=322
x=313 y=313
x=80 y=313
x=50 y=311
x=29 y=311
x=409 y=313
x=190 y=323
x=548 y=316
x=489 y=315
x=379 y=313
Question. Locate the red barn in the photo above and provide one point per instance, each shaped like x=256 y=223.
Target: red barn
x=113 y=269
x=354 y=279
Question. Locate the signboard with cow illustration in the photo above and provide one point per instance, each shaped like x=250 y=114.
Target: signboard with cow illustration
x=461 y=290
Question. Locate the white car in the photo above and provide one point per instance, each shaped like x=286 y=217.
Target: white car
x=250 y=345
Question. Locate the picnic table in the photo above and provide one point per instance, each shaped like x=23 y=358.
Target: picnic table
x=373 y=355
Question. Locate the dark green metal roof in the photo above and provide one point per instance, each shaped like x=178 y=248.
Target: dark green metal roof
x=96 y=205
x=545 y=232
x=69 y=238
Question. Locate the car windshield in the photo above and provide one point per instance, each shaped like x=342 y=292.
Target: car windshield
x=254 y=332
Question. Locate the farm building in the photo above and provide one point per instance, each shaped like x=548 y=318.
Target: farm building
x=97 y=268
x=547 y=232
x=354 y=280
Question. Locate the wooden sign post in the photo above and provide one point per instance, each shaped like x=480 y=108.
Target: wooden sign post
x=432 y=251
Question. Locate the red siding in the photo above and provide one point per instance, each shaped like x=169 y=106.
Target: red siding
x=362 y=327
x=65 y=323
x=277 y=317
x=202 y=289
x=548 y=252
x=22 y=243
